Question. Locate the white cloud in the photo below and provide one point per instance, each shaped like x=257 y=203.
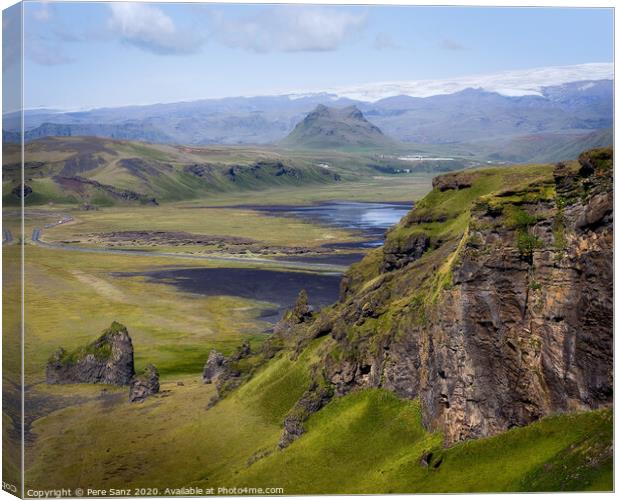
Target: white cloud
x=150 y=29
x=384 y=41
x=291 y=29
x=449 y=44
x=511 y=83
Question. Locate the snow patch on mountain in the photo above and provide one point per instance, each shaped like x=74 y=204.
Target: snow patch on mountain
x=508 y=83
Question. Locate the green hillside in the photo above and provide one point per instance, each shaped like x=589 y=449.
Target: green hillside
x=108 y=172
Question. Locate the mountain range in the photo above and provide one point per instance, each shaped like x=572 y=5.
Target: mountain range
x=484 y=121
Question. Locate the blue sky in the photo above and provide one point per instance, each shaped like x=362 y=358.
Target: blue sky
x=84 y=55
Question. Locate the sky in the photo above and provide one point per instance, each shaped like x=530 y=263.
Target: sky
x=87 y=55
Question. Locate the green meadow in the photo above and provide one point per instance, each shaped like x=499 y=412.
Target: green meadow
x=369 y=441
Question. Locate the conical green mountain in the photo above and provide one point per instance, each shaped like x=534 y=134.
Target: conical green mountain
x=336 y=128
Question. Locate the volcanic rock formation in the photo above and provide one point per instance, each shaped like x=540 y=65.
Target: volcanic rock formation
x=107 y=360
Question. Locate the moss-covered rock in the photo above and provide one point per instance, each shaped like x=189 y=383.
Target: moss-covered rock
x=107 y=360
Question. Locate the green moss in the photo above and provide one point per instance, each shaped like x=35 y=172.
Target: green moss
x=599 y=159
x=535 y=285
x=115 y=327
x=559 y=229
x=520 y=219
x=101 y=351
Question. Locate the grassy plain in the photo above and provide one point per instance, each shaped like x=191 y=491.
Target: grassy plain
x=71 y=297
x=11 y=363
x=228 y=219
x=243 y=223
x=378 y=188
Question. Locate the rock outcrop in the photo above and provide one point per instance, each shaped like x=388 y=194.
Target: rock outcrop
x=302 y=310
x=20 y=191
x=215 y=366
x=312 y=401
x=397 y=252
x=144 y=385
x=227 y=373
x=107 y=360
x=454 y=180
x=504 y=317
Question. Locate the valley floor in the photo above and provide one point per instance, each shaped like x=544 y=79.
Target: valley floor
x=81 y=436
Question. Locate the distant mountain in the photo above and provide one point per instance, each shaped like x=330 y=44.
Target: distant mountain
x=544 y=148
x=128 y=131
x=234 y=120
x=459 y=118
x=334 y=128
x=473 y=114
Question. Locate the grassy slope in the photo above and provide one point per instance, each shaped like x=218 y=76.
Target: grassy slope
x=366 y=442
x=171 y=439
x=372 y=442
x=154 y=170
x=449 y=214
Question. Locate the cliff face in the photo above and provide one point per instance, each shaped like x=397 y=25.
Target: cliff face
x=492 y=305
x=107 y=360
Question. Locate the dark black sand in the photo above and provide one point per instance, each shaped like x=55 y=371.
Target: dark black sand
x=277 y=287
x=340 y=259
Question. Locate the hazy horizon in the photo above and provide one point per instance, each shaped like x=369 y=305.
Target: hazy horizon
x=89 y=55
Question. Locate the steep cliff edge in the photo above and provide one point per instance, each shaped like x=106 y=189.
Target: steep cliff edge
x=491 y=302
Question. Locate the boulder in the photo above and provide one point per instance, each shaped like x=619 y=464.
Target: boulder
x=144 y=385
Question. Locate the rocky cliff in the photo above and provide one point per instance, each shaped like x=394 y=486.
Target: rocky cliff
x=107 y=360
x=491 y=302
